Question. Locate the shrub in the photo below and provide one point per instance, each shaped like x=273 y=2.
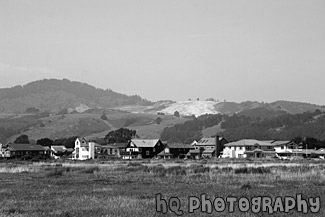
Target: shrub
x=226 y=169
x=55 y=173
x=158 y=170
x=89 y=169
x=176 y=170
x=199 y=168
x=140 y=168
x=134 y=164
x=253 y=170
x=241 y=170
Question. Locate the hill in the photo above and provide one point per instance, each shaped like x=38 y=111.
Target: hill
x=280 y=126
x=197 y=108
x=55 y=95
x=89 y=124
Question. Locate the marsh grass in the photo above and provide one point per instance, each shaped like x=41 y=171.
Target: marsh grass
x=129 y=188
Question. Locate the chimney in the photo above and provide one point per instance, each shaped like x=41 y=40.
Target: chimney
x=217 y=147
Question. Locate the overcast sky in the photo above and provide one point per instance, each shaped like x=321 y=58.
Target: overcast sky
x=170 y=49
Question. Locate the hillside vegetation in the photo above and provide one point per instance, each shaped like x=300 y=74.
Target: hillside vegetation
x=90 y=124
x=54 y=95
x=280 y=126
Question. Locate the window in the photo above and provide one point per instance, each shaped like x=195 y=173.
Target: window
x=248 y=148
x=140 y=149
x=147 y=152
x=269 y=147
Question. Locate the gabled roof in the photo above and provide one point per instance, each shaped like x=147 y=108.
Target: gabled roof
x=25 y=147
x=179 y=145
x=58 y=148
x=81 y=140
x=249 y=142
x=280 y=143
x=140 y=143
x=208 y=141
x=162 y=153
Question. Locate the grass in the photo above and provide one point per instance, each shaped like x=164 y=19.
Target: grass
x=128 y=188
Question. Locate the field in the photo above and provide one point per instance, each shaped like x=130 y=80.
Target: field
x=129 y=188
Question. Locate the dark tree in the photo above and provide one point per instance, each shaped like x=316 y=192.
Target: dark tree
x=158 y=120
x=103 y=116
x=32 y=110
x=121 y=135
x=22 y=139
x=176 y=114
x=45 y=142
x=63 y=112
x=67 y=142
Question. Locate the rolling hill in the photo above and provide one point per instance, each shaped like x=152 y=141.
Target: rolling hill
x=55 y=95
x=61 y=108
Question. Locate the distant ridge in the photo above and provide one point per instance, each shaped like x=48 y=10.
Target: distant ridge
x=197 y=108
x=54 y=95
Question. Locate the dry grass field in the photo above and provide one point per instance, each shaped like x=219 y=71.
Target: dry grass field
x=129 y=188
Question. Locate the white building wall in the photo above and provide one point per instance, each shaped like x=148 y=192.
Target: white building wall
x=234 y=152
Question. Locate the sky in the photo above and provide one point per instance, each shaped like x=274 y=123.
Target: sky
x=230 y=50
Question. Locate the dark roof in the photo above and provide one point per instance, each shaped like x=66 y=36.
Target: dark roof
x=208 y=141
x=179 y=145
x=25 y=147
x=281 y=143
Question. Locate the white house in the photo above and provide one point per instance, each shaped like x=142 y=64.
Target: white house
x=285 y=148
x=83 y=149
x=248 y=148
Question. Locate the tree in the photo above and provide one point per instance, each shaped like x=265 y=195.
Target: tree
x=158 y=120
x=44 y=142
x=176 y=114
x=103 y=116
x=121 y=135
x=22 y=139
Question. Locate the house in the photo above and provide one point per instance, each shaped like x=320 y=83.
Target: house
x=120 y=148
x=175 y=150
x=208 y=153
x=210 y=143
x=57 y=151
x=12 y=150
x=83 y=149
x=143 y=148
x=248 y=148
x=106 y=151
x=195 y=154
x=285 y=148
